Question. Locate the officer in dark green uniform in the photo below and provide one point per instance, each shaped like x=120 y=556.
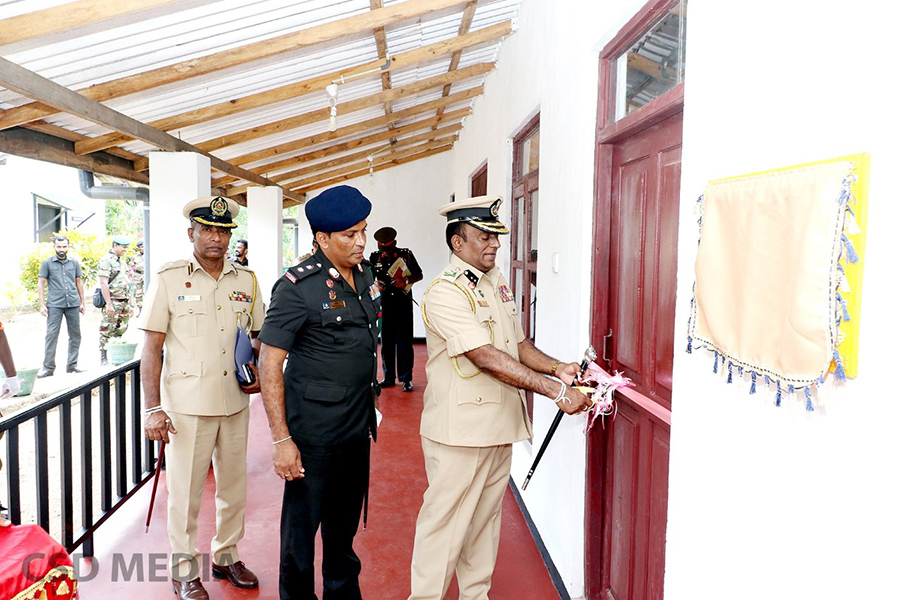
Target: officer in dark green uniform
x=321 y=408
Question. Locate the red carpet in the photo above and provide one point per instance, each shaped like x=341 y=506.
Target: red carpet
x=132 y=564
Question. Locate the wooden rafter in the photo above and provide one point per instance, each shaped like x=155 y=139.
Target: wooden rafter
x=32 y=85
x=381 y=48
x=394 y=162
x=68 y=16
x=235 y=56
x=287 y=92
x=464 y=25
x=290 y=176
x=255 y=133
x=293 y=161
x=328 y=136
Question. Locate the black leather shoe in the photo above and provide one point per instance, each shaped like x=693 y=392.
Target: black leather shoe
x=75 y=370
x=44 y=373
x=407 y=386
x=386 y=383
x=237 y=575
x=189 y=590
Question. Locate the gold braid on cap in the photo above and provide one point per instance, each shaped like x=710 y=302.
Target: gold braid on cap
x=471 y=300
x=203 y=221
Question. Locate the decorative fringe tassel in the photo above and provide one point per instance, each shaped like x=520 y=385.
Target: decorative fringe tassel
x=839 y=367
x=716 y=364
x=768 y=381
x=778 y=394
x=729 y=372
x=809 y=404
x=753 y=382
x=844 y=307
x=852 y=256
x=689 y=349
x=791 y=389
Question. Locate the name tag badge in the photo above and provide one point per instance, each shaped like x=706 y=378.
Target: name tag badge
x=374 y=293
x=335 y=304
x=188 y=298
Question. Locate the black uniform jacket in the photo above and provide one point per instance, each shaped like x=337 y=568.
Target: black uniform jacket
x=330 y=332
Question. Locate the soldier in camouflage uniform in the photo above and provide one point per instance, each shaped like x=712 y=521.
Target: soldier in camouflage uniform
x=115 y=285
x=136 y=263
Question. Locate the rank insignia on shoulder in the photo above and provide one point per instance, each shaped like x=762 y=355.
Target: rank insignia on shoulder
x=505 y=294
x=290 y=276
x=473 y=279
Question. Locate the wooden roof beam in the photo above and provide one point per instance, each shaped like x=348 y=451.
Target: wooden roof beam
x=396 y=162
x=327 y=136
x=293 y=90
x=23 y=81
x=293 y=161
x=234 y=57
x=464 y=25
x=261 y=131
x=289 y=176
x=68 y=16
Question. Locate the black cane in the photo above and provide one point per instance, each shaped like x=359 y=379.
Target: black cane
x=589 y=355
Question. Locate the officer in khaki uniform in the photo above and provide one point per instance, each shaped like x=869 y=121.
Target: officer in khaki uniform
x=193 y=400
x=479 y=364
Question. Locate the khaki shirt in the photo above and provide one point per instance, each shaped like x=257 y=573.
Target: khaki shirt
x=460 y=308
x=200 y=316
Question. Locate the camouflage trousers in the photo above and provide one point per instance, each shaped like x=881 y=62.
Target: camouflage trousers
x=114 y=325
x=139 y=295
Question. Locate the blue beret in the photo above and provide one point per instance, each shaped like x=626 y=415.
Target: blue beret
x=121 y=240
x=337 y=209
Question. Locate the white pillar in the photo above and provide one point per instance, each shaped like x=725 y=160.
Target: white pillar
x=175 y=179
x=264 y=236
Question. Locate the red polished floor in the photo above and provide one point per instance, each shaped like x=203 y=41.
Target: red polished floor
x=132 y=564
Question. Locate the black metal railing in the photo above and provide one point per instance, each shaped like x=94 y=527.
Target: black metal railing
x=106 y=446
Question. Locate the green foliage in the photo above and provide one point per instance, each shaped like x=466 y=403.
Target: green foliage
x=18 y=297
x=124 y=217
x=87 y=248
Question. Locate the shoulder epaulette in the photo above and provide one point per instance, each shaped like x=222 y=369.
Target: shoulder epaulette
x=304 y=269
x=172 y=265
x=450 y=274
x=242 y=268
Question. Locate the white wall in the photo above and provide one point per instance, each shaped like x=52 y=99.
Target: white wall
x=406 y=198
x=766 y=501
x=19 y=178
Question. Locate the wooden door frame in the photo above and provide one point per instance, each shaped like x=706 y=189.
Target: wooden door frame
x=607 y=133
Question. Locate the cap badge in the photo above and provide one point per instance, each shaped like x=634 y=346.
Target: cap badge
x=495 y=208
x=218 y=206
x=332 y=294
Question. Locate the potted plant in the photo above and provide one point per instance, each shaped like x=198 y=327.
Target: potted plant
x=120 y=351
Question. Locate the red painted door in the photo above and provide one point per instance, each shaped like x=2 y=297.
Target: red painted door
x=629 y=459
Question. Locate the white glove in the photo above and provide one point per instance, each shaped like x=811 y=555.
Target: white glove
x=10 y=387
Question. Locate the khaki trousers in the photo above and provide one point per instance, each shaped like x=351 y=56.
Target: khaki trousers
x=222 y=440
x=459 y=524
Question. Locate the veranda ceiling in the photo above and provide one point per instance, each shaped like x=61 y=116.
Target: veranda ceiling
x=244 y=81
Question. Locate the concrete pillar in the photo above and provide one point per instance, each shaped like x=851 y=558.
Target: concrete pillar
x=264 y=236
x=175 y=179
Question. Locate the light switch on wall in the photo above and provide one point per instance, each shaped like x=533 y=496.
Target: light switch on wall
x=554 y=262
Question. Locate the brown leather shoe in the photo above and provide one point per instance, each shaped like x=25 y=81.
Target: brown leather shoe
x=189 y=590
x=237 y=575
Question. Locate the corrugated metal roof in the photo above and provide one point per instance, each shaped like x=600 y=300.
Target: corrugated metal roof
x=167 y=34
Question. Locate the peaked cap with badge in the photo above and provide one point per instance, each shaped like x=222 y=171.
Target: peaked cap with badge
x=385 y=235
x=480 y=212
x=215 y=211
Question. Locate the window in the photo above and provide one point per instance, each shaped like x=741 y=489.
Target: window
x=653 y=65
